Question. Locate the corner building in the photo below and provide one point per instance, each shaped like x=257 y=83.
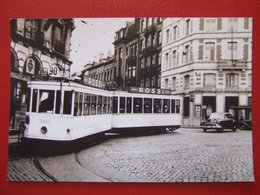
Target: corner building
x=40 y=49
x=209 y=62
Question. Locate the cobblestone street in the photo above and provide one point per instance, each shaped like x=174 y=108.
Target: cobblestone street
x=186 y=155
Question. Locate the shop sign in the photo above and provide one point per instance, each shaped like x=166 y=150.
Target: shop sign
x=30 y=66
x=150 y=90
x=55 y=71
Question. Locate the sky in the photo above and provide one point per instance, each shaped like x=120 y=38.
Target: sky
x=91 y=37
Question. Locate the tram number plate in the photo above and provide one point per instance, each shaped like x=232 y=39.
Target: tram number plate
x=45 y=121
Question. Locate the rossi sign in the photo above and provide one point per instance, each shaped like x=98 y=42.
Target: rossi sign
x=150 y=90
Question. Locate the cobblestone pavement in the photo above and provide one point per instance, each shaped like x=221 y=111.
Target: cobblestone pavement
x=24 y=170
x=186 y=155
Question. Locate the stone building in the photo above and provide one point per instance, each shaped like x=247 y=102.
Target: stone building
x=150 y=52
x=40 y=49
x=126 y=54
x=209 y=62
x=103 y=71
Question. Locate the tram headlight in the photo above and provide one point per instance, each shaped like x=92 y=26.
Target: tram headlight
x=68 y=131
x=44 y=130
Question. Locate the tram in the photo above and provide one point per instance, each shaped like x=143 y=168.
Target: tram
x=68 y=112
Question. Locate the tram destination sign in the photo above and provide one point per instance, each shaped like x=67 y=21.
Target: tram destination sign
x=158 y=91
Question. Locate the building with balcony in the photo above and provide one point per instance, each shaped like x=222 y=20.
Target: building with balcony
x=150 y=46
x=127 y=54
x=40 y=49
x=209 y=62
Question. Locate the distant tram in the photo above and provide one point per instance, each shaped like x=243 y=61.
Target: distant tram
x=68 y=112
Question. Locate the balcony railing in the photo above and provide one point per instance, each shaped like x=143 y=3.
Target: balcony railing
x=225 y=89
x=232 y=64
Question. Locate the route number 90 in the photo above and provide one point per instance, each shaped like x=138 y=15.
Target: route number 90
x=54 y=71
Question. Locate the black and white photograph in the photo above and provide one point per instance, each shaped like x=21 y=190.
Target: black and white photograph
x=148 y=99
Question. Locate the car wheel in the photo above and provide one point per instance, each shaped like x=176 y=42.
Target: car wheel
x=242 y=127
x=204 y=130
x=219 y=130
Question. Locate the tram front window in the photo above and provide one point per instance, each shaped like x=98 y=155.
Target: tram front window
x=46 y=101
x=138 y=105
x=147 y=105
x=67 y=102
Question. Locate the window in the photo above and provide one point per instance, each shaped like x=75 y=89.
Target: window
x=167 y=36
x=105 y=105
x=129 y=105
x=147 y=105
x=58 y=102
x=210 y=25
x=166 y=60
x=166 y=106
x=67 y=102
x=86 y=110
x=78 y=100
x=175 y=31
x=187 y=53
x=249 y=80
x=138 y=105
x=93 y=104
x=210 y=80
x=177 y=106
x=166 y=83
x=147 y=82
x=186 y=81
x=209 y=51
x=232 y=79
x=232 y=50
x=115 y=104
x=30 y=28
x=34 y=100
x=157 y=106
x=122 y=105
x=174 y=58
x=173 y=110
x=173 y=83
x=187 y=27
x=99 y=105
x=232 y=24
x=46 y=101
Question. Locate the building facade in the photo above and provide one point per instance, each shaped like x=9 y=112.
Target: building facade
x=40 y=49
x=103 y=71
x=150 y=45
x=127 y=54
x=209 y=62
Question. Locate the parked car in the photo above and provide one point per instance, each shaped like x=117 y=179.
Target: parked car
x=219 y=121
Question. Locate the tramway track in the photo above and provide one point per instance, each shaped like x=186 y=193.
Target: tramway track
x=41 y=170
